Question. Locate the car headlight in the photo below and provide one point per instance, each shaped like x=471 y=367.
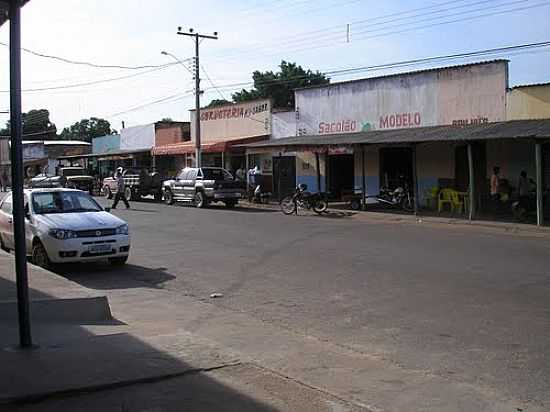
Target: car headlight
x=122 y=230
x=62 y=234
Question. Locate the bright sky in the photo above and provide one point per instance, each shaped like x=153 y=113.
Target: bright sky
x=253 y=35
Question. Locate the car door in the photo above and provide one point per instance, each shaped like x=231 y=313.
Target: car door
x=189 y=184
x=6 y=221
x=179 y=183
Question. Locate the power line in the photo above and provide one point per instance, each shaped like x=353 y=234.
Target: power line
x=91 y=83
x=84 y=63
x=212 y=83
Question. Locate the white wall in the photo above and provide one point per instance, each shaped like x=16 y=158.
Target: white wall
x=283 y=125
x=466 y=94
x=137 y=137
x=234 y=121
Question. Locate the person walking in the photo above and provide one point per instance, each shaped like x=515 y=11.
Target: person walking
x=120 y=189
x=495 y=188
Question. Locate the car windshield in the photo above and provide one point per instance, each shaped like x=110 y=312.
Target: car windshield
x=63 y=202
x=216 y=174
x=74 y=172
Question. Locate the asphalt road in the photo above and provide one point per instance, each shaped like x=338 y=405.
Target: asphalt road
x=466 y=305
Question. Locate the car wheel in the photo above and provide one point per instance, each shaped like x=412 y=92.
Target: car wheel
x=118 y=261
x=128 y=193
x=230 y=204
x=158 y=196
x=168 y=197
x=40 y=256
x=3 y=245
x=107 y=192
x=200 y=200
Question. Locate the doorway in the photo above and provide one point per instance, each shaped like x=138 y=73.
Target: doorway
x=396 y=167
x=341 y=174
x=284 y=175
x=462 y=173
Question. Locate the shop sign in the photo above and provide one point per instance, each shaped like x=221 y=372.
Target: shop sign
x=340 y=150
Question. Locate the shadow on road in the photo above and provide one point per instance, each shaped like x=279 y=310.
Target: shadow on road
x=104 y=276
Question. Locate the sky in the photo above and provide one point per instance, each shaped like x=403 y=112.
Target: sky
x=253 y=35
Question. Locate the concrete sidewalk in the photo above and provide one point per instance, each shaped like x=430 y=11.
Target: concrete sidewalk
x=341 y=210
x=88 y=360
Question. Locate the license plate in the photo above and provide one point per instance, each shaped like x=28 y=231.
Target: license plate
x=100 y=248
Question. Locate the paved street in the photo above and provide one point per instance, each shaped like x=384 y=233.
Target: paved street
x=467 y=306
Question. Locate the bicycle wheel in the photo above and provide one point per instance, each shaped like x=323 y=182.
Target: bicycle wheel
x=288 y=206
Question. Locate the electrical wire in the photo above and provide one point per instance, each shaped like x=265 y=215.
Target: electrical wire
x=84 y=63
x=95 y=82
x=212 y=83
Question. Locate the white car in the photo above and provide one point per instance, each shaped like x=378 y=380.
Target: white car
x=66 y=225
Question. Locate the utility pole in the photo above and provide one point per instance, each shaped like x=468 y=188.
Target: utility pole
x=197 y=37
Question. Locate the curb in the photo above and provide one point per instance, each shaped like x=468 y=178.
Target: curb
x=39 y=397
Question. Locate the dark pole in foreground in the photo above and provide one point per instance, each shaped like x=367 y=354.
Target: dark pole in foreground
x=25 y=339
x=472 y=182
x=415 y=181
x=538 y=163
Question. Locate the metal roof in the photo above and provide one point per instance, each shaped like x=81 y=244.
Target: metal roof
x=411 y=73
x=522 y=86
x=515 y=129
x=4 y=7
x=107 y=154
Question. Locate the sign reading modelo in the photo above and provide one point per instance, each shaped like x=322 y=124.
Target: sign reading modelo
x=234 y=121
x=459 y=95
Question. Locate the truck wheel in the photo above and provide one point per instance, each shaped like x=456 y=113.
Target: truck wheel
x=230 y=204
x=128 y=193
x=200 y=200
x=168 y=197
x=107 y=192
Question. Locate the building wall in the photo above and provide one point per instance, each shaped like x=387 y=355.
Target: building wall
x=234 y=121
x=137 y=137
x=283 y=124
x=434 y=161
x=463 y=94
x=166 y=133
x=306 y=171
x=512 y=157
x=106 y=144
x=530 y=102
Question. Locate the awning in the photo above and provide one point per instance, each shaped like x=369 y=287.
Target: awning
x=114 y=155
x=217 y=146
x=515 y=129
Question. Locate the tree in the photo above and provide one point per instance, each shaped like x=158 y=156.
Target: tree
x=218 y=102
x=166 y=119
x=280 y=86
x=87 y=129
x=36 y=125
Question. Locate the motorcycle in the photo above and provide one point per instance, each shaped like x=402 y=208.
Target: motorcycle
x=303 y=199
x=399 y=197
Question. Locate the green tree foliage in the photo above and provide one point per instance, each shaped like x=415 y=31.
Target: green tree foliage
x=36 y=126
x=280 y=86
x=87 y=129
x=218 y=102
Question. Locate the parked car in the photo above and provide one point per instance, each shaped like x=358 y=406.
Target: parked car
x=202 y=186
x=136 y=185
x=66 y=225
x=74 y=177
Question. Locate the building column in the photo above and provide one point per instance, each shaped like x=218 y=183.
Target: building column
x=223 y=160
x=538 y=164
x=22 y=283
x=363 y=179
x=318 y=169
x=415 y=180
x=472 y=191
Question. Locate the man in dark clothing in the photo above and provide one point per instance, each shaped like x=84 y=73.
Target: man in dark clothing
x=120 y=189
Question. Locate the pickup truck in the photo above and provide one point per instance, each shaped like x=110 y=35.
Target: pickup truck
x=136 y=185
x=201 y=186
x=73 y=177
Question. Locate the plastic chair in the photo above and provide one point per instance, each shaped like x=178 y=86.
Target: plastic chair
x=431 y=195
x=457 y=202
x=445 y=197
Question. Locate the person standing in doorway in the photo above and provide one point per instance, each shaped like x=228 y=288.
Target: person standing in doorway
x=4 y=181
x=120 y=189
